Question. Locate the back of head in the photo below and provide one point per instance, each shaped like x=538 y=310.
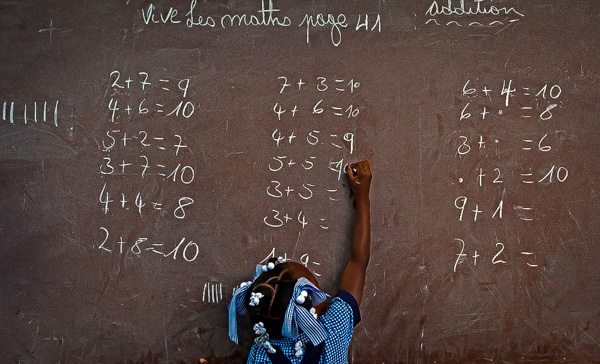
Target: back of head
x=275 y=288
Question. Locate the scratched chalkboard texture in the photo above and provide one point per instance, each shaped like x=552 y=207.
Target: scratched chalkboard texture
x=151 y=152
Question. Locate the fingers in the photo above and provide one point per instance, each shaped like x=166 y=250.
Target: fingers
x=359 y=176
x=350 y=171
x=357 y=169
x=364 y=167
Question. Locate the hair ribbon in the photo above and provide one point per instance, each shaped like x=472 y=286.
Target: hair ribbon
x=237 y=306
x=298 y=316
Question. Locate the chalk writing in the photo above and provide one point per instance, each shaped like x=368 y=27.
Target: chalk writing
x=478 y=13
x=319 y=107
x=467 y=9
x=50 y=30
x=304 y=260
x=268 y=16
x=498 y=255
x=334 y=138
x=144 y=160
x=115 y=138
x=141 y=203
x=123 y=86
x=518 y=107
x=14 y=112
x=538 y=103
x=321 y=84
x=185 y=250
x=314 y=138
x=212 y=292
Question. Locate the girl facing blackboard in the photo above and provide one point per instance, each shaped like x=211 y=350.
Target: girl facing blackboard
x=291 y=318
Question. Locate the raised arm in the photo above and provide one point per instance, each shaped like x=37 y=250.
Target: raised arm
x=353 y=280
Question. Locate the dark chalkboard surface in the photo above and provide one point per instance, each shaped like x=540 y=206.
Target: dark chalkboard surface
x=152 y=152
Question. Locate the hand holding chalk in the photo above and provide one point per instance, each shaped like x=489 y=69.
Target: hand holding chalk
x=359 y=175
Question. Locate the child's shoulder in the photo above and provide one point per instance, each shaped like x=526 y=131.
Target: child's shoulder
x=342 y=308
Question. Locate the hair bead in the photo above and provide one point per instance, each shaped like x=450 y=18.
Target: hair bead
x=255 y=298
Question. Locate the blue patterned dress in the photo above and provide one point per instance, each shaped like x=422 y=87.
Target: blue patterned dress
x=339 y=321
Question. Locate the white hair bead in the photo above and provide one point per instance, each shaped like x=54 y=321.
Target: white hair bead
x=298 y=348
x=271 y=266
x=259 y=328
x=255 y=298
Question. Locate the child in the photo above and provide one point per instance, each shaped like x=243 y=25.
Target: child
x=287 y=308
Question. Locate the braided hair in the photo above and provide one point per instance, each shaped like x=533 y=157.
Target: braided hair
x=276 y=286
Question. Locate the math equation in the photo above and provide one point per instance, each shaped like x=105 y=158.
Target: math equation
x=495 y=164
x=312 y=117
x=138 y=163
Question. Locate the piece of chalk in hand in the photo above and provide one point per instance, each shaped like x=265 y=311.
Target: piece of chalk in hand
x=354 y=171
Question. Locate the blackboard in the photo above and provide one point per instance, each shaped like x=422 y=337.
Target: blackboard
x=151 y=152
